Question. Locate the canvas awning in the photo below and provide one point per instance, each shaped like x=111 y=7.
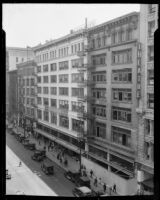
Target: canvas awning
x=148 y=183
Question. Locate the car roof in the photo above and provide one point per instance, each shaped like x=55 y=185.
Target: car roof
x=84 y=189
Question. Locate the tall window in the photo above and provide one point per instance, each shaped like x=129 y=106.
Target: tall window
x=53 y=102
x=53 y=118
x=78 y=92
x=77 y=125
x=39 y=114
x=63 y=65
x=39 y=90
x=53 y=79
x=46 y=116
x=121 y=114
x=39 y=79
x=77 y=106
x=63 y=91
x=45 y=79
x=45 y=90
x=53 y=67
x=99 y=59
x=100 y=130
x=150 y=76
x=53 y=90
x=121 y=136
x=16 y=59
x=99 y=110
x=63 y=121
x=63 y=78
x=150 y=100
x=151 y=28
x=45 y=102
x=63 y=104
x=150 y=53
x=39 y=100
x=38 y=69
x=45 y=68
x=77 y=77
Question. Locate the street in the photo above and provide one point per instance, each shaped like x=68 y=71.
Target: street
x=58 y=183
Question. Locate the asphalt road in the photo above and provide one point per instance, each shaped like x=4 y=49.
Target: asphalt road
x=56 y=182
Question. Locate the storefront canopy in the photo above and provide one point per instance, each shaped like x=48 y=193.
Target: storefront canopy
x=148 y=183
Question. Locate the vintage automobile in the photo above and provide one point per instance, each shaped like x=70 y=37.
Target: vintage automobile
x=30 y=146
x=82 y=192
x=72 y=175
x=82 y=181
x=39 y=155
x=8 y=176
x=47 y=167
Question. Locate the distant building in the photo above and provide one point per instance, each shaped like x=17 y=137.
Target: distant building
x=145 y=110
x=12 y=93
x=27 y=90
x=18 y=55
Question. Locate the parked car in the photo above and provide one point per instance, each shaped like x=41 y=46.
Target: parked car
x=31 y=146
x=39 y=155
x=82 y=192
x=83 y=181
x=47 y=167
x=25 y=141
x=8 y=176
x=72 y=175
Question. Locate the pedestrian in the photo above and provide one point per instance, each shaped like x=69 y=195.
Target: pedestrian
x=57 y=156
x=39 y=142
x=104 y=187
x=60 y=159
x=20 y=164
x=114 y=187
x=66 y=162
x=48 y=147
x=95 y=181
x=91 y=173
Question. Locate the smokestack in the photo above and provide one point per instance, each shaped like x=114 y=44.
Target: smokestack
x=85 y=22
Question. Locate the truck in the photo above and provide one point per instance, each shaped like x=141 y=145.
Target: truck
x=47 y=167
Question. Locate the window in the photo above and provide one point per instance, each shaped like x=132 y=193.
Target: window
x=100 y=130
x=128 y=34
x=99 y=93
x=150 y=76
x=122 y=57
x=121 y=136
x=39 y=90
x=63 y=65
x=63 y=121
x=77 y=62
x=53 y=102
x=39 y=100
x=45 y=79
x=99 y=77
x=16 y=59
x=38 y=69
x=77 y=125
x=39 y=79
x=150 y=100
x=45 y=90
x=99 y=59
x=32 y=81
x=46 y=116
x=63 y=78
x=149 y=151
x=53 y=90
x=63 y=91
x=124 y=95
x=93 y=43
x=78 y=92
x=151 y=8
x=53 y=79
x=28 y=101
x=99 y=110
x=77 y=77
x=53 y=118
x=63 y=104
x=148 y=126
x=45 y=68
x=124 y=75
x=45 y=102
x=121 y=114
x=77 y=106
x=150 y=53
x=151 y=28
x=39 y=114
x=53 y=67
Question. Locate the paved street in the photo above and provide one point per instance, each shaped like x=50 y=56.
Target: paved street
x=57 y=182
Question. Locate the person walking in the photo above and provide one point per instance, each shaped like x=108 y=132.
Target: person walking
x=91 y=173
x=20 y=164
x=114 y=187
x=95 y=182
x=39 y=142
x=104 y=187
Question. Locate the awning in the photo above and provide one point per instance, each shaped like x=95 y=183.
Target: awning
x=148 y=183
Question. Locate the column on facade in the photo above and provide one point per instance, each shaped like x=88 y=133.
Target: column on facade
x=108 y=159
x=151 y=127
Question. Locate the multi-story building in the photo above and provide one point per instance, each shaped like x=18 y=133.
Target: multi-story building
x=145 y=108
x=86 y=87
x=12 y=93
x=18 y=55
x=27 y=91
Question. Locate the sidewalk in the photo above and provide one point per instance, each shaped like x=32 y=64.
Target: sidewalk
x=73 y=165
